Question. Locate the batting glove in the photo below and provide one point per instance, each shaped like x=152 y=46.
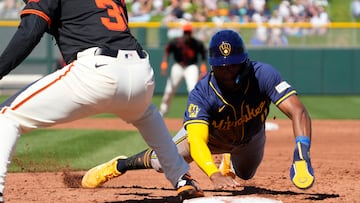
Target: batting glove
x=301 y=171
x=164 y=65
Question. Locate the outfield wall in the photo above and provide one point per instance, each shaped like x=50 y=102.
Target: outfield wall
x=310 y=70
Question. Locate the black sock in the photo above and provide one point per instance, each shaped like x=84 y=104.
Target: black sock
x=138 y=161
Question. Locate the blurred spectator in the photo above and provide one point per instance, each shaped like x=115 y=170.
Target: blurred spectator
x=10 y=9
x=291 y=29
x=260 y=37
x=284 y=9
x=250 y=11
x=173 y=12
x=277 y=37
x=186 y=5
x=211 y=7
x=140 y=11
x=234 y=12
x=242 y=11
x=355 y=9
x=158 y=7
x=321 y=3
x=258 y=5
x=200 y=15
x=319 y=20
x=261 y=31
x=220 y=17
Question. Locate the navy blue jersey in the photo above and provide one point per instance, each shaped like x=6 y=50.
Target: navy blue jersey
x=234 y=118
x=72 y=25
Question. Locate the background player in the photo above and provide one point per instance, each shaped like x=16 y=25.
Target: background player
x=186 y=51
x=231 y=119
x=104 y=62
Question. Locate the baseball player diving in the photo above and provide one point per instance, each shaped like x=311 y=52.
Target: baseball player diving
x=107 y=71
x=225 y=114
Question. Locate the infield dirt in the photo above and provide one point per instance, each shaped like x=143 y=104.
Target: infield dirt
x=335 y=156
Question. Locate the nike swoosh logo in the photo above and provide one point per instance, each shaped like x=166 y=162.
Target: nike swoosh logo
x=221 y=108
x=99 y=65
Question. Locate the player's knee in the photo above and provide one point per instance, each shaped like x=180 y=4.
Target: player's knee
x=245 y=175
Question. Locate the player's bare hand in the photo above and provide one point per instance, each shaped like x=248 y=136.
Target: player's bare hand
x=222 y=182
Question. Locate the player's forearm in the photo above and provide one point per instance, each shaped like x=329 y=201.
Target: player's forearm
x=296 y=111
x=302 y=124
x=202 y=157
x=197 y=137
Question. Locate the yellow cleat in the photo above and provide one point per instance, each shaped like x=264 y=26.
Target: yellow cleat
x=225 y=166
x=302 y=179
x=101 y=173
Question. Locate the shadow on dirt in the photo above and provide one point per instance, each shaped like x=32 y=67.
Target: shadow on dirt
x=248 y=190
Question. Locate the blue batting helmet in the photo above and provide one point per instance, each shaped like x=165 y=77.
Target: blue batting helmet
x=226 y=48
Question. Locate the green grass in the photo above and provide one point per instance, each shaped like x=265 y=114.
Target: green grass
x=319 y=107
x=56 y=150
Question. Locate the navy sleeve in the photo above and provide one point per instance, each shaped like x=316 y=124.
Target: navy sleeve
x=27 y=36
x=198 y=108
x=272 y=83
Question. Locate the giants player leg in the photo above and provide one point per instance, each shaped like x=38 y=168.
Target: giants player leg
x=160 y=142
x=191 y=75
x=146 y=159
x=135 y=86
x=172 y=84
x=46 y=102
x=180 y=139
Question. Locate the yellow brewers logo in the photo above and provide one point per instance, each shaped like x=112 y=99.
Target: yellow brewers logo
x=225 y=48
x=193 y=110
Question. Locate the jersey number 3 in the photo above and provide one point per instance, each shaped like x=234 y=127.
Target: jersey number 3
x=114 y=11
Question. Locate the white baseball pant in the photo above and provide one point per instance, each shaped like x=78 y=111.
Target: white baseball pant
x=90 y=85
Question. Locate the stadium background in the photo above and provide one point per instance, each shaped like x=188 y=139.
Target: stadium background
x=316 y=64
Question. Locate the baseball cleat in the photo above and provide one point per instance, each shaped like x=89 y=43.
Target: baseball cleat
x=187 y=188
x=302 y=177
x=102 y=173
x=225 y=166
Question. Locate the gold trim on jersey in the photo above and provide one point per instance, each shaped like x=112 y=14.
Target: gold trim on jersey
x=196 y=121
x=222 y=98
x=284 y=97
x=237 y=122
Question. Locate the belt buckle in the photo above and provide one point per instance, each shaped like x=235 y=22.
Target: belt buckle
x=106 y=52
x=142 y=54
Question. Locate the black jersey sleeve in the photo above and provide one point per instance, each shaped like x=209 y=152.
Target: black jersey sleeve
x=27 y=36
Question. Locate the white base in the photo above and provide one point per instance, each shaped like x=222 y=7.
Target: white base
x=223 y=199
x=269 y=126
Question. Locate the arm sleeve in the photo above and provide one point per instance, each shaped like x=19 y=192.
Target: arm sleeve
x=198 y=137
x=27 y=36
